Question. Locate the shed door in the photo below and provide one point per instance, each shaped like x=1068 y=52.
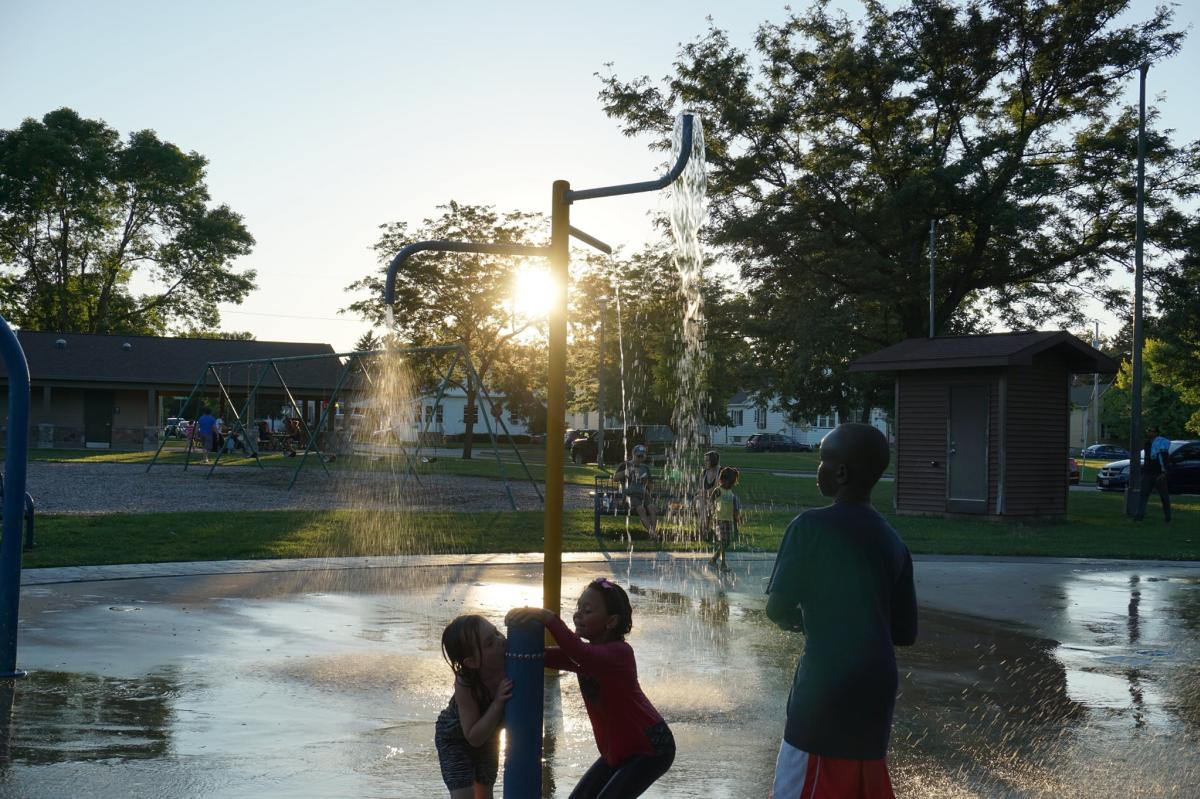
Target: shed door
x=97 y=419
x=968 y=437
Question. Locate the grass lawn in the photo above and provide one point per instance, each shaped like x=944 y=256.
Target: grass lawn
x=1096 y=527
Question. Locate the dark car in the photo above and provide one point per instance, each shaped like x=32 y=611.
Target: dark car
x=572 y=434
x=1183 y=471
x=775 y=442
x=1097 y=452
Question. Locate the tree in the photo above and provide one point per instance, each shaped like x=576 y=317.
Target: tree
x=82 y=213
x=227 y=335
x=1163 y=404
x=642 y=319
x=835 y=145
x=457 y=298
x=1178 y=324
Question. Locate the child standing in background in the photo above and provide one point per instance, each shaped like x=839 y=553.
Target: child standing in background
x=727 y=510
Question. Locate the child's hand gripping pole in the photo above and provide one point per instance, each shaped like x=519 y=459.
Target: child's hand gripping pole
x=523 y=713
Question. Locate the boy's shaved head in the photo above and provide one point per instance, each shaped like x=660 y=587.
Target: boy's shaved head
x=853 y=457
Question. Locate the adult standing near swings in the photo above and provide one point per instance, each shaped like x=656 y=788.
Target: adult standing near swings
x=205 y=429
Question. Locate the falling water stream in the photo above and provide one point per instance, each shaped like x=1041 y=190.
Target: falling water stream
x=688 y=212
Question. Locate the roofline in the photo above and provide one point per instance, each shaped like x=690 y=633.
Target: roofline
x=1022 y=357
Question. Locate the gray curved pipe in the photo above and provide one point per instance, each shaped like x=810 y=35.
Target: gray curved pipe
x=389 y=286
x=685 y=152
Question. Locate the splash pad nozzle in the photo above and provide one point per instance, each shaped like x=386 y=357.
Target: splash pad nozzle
x=522 y=767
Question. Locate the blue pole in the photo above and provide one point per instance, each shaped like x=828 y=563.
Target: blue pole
x=17 y=450
x=523 y=714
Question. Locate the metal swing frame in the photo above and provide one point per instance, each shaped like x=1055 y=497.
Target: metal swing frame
x=460 y=358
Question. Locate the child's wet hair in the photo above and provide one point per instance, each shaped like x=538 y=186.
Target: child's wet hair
x=729 y=475
x=616 y=603
x=460 y=640
x=712 y=459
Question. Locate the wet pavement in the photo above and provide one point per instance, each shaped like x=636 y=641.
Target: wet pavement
x=1031 y=678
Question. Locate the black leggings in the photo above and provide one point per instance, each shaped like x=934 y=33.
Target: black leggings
x=634 y=775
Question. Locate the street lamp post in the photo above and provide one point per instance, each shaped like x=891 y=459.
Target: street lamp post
x=1135 y=400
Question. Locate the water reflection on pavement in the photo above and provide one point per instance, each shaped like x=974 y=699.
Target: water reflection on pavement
x=1064 y=679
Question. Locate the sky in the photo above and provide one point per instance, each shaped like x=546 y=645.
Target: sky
x=324 y=120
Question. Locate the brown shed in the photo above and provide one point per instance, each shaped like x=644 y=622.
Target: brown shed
x=983 y=422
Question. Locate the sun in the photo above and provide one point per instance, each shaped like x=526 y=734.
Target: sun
x=532 y=292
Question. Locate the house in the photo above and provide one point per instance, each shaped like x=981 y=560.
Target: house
x=437 y=417
x=101 y=391
x=748 y=416
x=1086 y=426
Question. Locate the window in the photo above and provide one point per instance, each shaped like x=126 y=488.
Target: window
x=825 y=422
x=737 y=418
x=760 y=418
x=430 y=414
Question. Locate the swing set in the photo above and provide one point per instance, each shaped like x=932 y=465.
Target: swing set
x=358 y=375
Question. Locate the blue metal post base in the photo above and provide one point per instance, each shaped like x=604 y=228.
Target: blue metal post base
x=523 y=713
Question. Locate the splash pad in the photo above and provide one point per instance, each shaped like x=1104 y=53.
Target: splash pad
x=270 y=679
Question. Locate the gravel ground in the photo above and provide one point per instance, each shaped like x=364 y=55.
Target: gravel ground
x=127 y=488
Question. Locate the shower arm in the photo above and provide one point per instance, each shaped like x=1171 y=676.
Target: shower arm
x=439 y=245
x=685 y=152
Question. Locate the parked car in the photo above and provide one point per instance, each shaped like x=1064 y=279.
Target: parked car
x=1073 y=471
x=1183 y=472
x=657 y=438
x=1099 y=452
x=775 y=442
x=172 y=429
x=572 y=434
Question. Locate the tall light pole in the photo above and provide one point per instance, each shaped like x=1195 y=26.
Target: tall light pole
x=600 y=387
x=1095 y=405
x=1135 y=400
x=932 y=273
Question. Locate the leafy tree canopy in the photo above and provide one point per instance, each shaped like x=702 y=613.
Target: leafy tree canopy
x=82 y=213
x=834 y=146
x=458 y=298
x=643 y=317
x=1166 y=402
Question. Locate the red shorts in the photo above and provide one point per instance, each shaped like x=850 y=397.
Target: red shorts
x=800 y=775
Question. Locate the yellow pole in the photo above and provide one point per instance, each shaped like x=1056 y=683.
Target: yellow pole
x=556 y=397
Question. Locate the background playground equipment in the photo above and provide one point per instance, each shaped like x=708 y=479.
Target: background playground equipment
x=558 y=253
x=316 y=426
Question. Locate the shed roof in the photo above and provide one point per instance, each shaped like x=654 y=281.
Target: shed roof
x=990 y=350
x=160 y=361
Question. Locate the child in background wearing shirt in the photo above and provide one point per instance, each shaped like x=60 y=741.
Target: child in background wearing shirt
x=636 y=746
x=727 y=511
x=844 y=578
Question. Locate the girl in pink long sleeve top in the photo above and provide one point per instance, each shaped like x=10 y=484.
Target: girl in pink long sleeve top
x=636 y=746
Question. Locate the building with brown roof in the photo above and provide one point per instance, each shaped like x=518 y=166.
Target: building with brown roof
x=116 y=391
x=982 y=422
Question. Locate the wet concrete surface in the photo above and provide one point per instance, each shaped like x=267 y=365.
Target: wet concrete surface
x=1030 y=679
